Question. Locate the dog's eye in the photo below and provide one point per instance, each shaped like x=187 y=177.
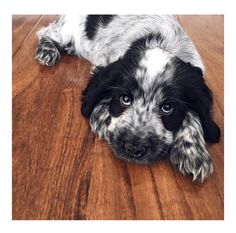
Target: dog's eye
x=125 y=101
x=167 y=109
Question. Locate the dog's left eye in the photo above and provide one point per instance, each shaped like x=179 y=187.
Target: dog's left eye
x=167 y=109
x=125 y=101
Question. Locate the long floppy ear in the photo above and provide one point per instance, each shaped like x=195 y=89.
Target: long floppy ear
x=203 y=101
x=189 y=153
x=199 y=99
x=94 y=91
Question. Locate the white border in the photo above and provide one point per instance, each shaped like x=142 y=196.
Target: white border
x=121 y=6
x=165 y=6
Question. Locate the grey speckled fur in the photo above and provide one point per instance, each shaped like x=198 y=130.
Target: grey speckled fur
x=189 y=151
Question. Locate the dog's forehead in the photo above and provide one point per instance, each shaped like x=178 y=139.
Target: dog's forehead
x=155 y=61
x=149 y=100
x=154 y=69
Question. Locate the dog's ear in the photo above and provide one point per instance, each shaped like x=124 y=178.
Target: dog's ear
x=203 y=101
x=199 y=99
x=189 y=153
x=94 y=91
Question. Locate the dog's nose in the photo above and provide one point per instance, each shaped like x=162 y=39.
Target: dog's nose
x=135 y=150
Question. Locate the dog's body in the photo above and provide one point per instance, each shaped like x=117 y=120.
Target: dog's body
x=147 y=96
x=104 y=39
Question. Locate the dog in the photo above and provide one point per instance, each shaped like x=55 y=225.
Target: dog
x=147 y=95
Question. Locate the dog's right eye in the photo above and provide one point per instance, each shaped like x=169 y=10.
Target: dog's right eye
x=125 y=101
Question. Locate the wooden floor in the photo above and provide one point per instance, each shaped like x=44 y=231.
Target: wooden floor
x=62 y=171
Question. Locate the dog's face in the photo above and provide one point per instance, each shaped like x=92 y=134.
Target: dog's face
x=141 y=104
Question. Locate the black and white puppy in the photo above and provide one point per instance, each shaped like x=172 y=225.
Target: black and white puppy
x=147 y=95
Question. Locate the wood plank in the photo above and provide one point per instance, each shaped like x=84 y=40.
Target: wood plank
x=22 y=27
x=62 y=171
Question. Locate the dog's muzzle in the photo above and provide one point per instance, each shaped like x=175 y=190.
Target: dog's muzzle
x=137 y=147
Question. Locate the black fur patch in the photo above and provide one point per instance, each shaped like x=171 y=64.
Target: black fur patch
x=190 y=93
x=94 y=21
x=108 y=83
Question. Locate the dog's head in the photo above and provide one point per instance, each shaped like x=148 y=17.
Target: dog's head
x=149 y=104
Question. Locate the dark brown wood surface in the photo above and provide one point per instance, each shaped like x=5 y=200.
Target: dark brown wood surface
x=62 y=171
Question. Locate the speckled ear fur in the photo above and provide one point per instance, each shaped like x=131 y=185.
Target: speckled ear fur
x=189 y=153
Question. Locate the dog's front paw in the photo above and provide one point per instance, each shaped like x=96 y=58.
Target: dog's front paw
x=193 y=160
x=47 y=52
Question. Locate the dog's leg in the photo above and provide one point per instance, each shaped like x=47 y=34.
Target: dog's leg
x=51 y=43
x=189 y=152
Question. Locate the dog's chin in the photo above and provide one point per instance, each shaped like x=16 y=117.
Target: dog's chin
x=147 y=158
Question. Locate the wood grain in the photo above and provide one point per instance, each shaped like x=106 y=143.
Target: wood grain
x=62 y=171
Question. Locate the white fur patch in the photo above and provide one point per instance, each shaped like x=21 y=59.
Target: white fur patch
x=155 y=61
